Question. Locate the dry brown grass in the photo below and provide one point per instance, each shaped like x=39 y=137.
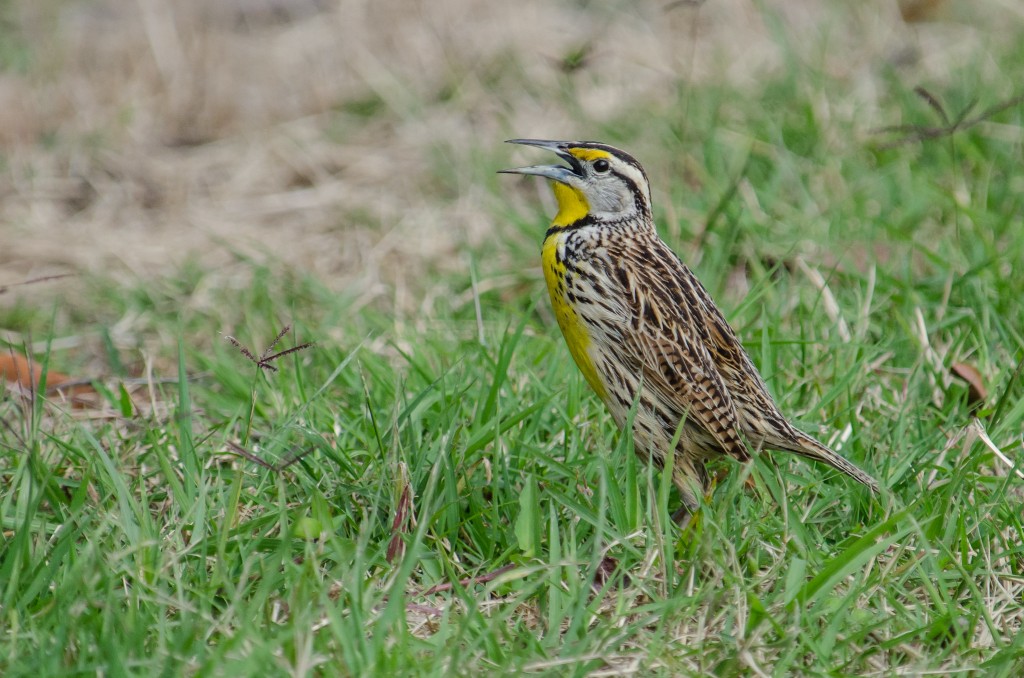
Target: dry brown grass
x=144 y=133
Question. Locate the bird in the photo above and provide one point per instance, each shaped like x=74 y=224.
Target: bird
x=646 y=334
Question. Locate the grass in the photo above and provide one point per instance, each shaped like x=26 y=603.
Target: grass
x=436 y=492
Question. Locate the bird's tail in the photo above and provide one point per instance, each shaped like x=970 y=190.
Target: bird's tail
x=810 y=448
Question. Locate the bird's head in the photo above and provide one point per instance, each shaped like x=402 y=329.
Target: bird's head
x=600 y=184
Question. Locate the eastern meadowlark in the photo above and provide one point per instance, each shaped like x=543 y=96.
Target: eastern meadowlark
x=643 y=329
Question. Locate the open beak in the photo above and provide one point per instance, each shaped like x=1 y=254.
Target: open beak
x=559 y=173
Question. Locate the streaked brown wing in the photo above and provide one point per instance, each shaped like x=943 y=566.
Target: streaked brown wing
x=666 y=344
x=680 y=372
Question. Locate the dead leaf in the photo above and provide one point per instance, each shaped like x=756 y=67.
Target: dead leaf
x=16 y=369
x=915 y=11
x=977 y=394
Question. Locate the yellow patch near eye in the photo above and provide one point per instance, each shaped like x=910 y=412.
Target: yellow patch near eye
x=589 y=153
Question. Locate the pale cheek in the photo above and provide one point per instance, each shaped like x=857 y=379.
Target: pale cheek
x=610 y=201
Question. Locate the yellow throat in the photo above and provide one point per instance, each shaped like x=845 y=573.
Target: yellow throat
x=572 y=206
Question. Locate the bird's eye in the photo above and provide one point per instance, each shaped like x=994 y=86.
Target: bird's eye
x=601 y=166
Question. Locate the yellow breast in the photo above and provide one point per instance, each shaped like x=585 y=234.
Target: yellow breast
x=573 y=328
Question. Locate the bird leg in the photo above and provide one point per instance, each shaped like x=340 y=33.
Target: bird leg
x=682 y=516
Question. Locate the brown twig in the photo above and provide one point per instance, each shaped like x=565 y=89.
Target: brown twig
x=274 y=343
x=277 y=468
x=294 y=456
x=33 y=281
x=242 y=452
x=265 y=358
x=469 y=581
x=915 y=133
x=263 y=362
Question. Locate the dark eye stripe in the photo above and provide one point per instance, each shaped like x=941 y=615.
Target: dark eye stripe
x=629 y=182
x=638 y=195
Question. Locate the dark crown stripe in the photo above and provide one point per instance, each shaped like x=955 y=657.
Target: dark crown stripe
x=618 y=153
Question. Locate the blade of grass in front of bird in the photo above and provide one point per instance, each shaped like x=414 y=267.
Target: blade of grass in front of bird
x=527 y=525
x=500 y=373
x=555 y=592
x=853 y=558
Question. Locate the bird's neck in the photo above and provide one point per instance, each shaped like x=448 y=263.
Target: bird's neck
x=572 y=205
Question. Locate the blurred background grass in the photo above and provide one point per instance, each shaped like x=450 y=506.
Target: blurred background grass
x=357 y=140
